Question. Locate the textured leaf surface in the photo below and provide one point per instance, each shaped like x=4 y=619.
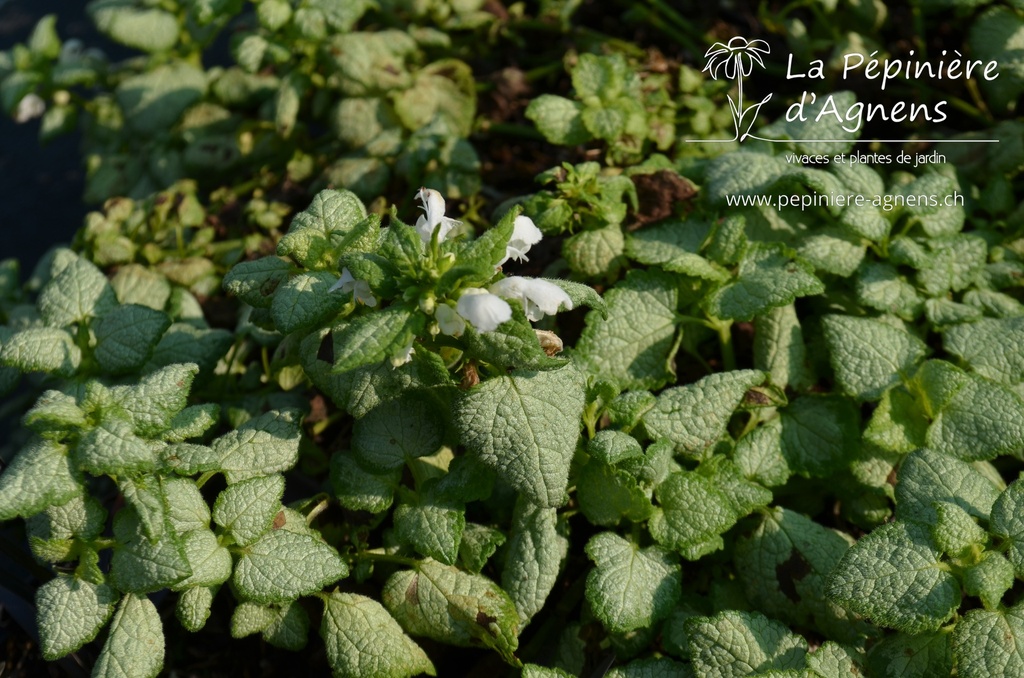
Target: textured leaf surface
x=141 y=566
x=868 y=355
x=733 y=644
x=126 y=337
x=246 y=509
x=632 y=344
x=990 y=346
x=362 y=639
x=988 y=643
x=255 y=282
x=982 y=420
x=431 y=524
x=767 y=277
x=42 y=349
x=40 y=476
x=261 y=446
x=533 y=557
x=693 y=512
x=921 y=655
x=1008 y=522
x=927 y=477
x=398 y=431
x=305 y=301
x=694 y=417
x=630 y=587
x=71 y=612
x=282 y=566
x=446 y=604
x=78 y=292
x=135 y=646
x=783 y=565
x=779 y=347
x=893 y=575
x=525 y=426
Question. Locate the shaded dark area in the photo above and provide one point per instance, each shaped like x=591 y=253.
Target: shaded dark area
x=41 y=186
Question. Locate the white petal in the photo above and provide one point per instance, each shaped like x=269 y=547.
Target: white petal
x=345 y=282
x=433 y=207
x=30 y=106
x=525 y=231
x=361 y=293
x=403 y=356
x=450 y=322
x=482 y=309
x=539 y=297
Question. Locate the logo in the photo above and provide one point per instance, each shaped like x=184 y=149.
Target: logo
x=735 y=60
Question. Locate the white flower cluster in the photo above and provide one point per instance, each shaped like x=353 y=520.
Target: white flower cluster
x=484 y=309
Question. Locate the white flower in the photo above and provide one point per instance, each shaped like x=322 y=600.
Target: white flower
x=525 y=234
x=360 y=289
x=539 y=297
x=482 y=309
x=449 y=321
x=30 y=106
x=434 y=218
x=71 y=51
x=403 y=356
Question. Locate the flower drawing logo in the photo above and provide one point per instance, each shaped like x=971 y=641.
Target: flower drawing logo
x=736 y=59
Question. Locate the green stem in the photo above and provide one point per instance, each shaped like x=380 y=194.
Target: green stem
x=725 y=338
x=378 y=557
x=203 y=478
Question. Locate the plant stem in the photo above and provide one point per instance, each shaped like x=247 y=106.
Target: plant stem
x=378 y=557
x=725 y=338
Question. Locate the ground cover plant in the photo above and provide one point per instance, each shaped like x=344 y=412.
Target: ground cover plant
x=451 y=337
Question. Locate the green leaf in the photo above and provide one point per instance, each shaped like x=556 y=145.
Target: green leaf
x=693 y=511
x=187 y=510
x=982 y=420
x=869 y=355
x=305 y=301
x=283 y=565
x=362 y=639
x=442 y=94
x=40 y=476
x=632 y=344
x=819 y=434
x=255 y=282
x=184 y=343
x=55 y=411
x=989 y=579
x=377 y=335
x=580 y=294
x=124 y=21
x=152 y=404
x=142 y=566
x=814 y=122
x=478 y=544
x=927 y=477
x=607 y=494
x=533 y=557
x=193 y=608
x=51 y=533
x=595 y=253
x=42 y=349
x=694 y=417
x=126 y=337
x=742 y=173
x=446 y=604
x=768 y=276
x=630 y=587
x=898 y=423
x=145 y=494
x=70 y=612
x=398 y=431
x=78 y=292
x=113 y=449
x=249 y=618
x=996 y=35
x=431 y=524
x=135 y=646
x=1007 y=522
x=783 y=565
x=558 y=119
x=779 y=348
x=359 y=490
x=990 y=346
x=330 y=212
x=759 y=455
x=261 y=446
x=833 y=252
x=192 y=422
x=674 y=245
x=511 y=345
x=246 y=509
x=154 y=100
x=986 y=643
x=733 y=644
x=289 y=628
x=525 y=426
x=894 y=576
x=187 y=459
x=955 y=531
x=922 y=655
x=209 y=561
